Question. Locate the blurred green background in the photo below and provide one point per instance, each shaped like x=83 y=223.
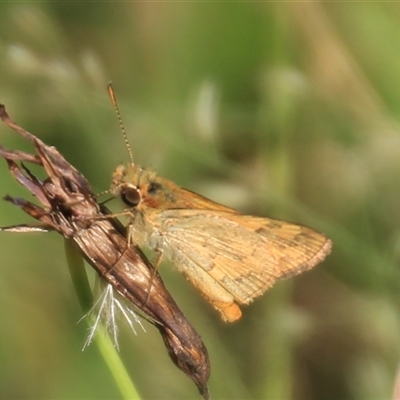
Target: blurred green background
x=287 y=110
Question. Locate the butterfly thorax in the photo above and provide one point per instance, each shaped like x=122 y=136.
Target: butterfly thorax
x=143 y=189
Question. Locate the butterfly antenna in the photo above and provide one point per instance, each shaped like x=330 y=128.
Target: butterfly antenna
x=113 y=98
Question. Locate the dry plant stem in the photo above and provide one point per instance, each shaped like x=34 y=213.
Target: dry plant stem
x=68 y=207
x=107 y=349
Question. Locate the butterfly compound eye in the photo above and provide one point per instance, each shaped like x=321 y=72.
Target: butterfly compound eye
x=131 y=196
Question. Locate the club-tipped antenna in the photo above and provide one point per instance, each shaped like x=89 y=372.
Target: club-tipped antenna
x=113 y=98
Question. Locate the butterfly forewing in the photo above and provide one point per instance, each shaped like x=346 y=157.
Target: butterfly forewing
x=245 y=255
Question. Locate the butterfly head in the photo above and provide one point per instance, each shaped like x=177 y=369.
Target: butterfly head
x=139 y=188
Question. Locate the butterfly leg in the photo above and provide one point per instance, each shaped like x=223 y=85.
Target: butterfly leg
x=156 y=264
